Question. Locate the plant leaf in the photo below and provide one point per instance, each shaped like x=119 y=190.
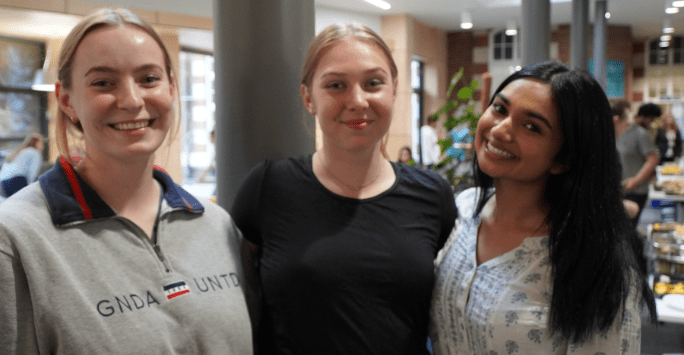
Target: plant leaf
x=454 y=80
x=464 y=93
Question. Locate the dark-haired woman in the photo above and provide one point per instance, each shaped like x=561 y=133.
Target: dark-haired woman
x=542 y=259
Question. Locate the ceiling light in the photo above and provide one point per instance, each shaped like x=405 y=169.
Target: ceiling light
x=664 y=44
x=43 y=78
x=511 y=28
x=379 y=3
x=607 y=15
x=665 y=38
x=672 y=10
x=39 y=83
x=466 y=20
x=667 y=26
x=678 y=3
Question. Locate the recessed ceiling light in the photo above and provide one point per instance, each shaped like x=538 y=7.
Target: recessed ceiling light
x=379 y=3
x=466 y=20
x=672 y=10
x=511 y=28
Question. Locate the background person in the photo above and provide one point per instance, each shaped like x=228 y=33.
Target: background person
x=619 y=108
x=647 y=114
x=429 y=141
x=638 y=154
x=342 y=242
x=108 y=255
x=405 y=156
x=669 y=140
x=542 y=260
x=21 y=167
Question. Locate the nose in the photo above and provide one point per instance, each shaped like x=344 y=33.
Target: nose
x=501 y=130
x=130 y=96
x=357 y=98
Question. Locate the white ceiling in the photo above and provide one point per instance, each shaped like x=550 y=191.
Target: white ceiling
x=644 y=16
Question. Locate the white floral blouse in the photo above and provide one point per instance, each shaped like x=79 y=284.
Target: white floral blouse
x=502 y=306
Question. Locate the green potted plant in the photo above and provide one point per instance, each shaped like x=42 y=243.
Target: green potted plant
x=455 y=165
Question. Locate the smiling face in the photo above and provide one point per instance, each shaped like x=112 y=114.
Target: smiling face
x=121 y=93
x=351 y=94
x=519 y=135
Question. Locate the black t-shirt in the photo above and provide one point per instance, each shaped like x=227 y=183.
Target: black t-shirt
x=342 y=275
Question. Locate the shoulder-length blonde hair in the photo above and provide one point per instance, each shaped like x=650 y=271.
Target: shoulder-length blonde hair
x=98 y=19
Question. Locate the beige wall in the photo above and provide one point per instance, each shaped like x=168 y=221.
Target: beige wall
x=168 y=157
x=409 y=39
x=81 y=8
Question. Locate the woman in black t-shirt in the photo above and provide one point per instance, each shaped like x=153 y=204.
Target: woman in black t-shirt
x=341 y=242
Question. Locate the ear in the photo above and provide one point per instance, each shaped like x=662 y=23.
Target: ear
x=394 y=90
x=63 y=100
x=172 y=85
x=306 y=98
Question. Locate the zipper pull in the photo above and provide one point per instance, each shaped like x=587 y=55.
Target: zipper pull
x=157 y=250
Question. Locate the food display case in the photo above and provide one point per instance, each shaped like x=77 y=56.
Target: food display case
x=665 y=250
x=668 y=190
x=665 y=243
x=666 y=254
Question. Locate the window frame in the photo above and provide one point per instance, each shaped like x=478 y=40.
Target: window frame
x=514 y=46
x=189 y=174
x=41 y=96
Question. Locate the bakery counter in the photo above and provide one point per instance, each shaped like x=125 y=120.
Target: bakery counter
x=670 y=309
x=665 y=253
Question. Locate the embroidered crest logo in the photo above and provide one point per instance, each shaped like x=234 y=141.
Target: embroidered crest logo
x=176 y=289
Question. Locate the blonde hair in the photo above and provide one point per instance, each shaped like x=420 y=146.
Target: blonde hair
x=99 y=19
x=668 y=122
x=335 y=33
x=31 y=140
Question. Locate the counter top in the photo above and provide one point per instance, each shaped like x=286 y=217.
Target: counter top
x=667 y=313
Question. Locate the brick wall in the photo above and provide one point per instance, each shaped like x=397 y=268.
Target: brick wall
x=462 y=45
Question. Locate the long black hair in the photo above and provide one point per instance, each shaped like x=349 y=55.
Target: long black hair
x=594 y=250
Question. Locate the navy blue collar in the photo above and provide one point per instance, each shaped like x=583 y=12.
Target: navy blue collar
x=71 y=199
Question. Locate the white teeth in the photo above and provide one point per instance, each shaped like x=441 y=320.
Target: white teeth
x=499 y=152
x=132 y=125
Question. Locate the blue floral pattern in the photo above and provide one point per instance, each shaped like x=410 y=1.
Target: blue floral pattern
x=535 y=335
x=502 y=305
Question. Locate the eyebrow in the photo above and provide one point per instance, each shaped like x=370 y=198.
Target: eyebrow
x=369 y=71
x=106 y=69
x=530 y=113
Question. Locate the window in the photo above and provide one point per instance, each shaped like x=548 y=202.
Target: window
x=657 y=55
x=416 y=106
x=196 y=82
x=22 y=109
x=666 y=52
x=677 y=50
x=504 y=46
